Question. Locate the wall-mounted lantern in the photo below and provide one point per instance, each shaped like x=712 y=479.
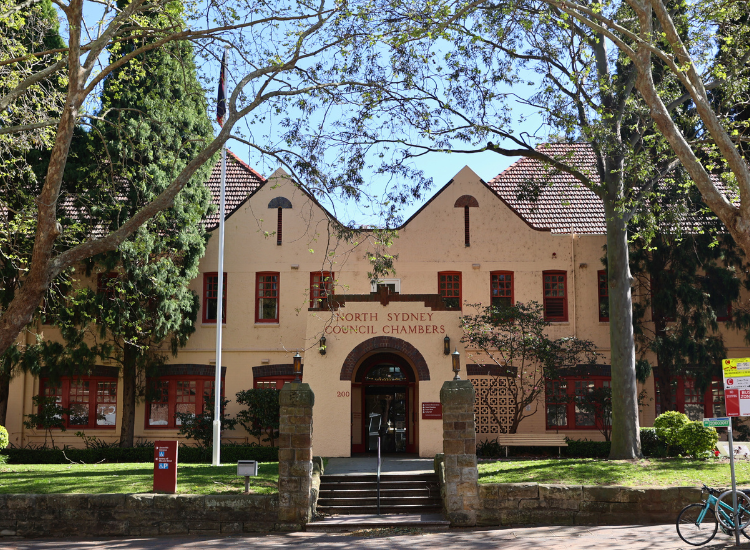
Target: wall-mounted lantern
x=456 y=358
x=322 y=347
x=446 y=345
x=297 y=368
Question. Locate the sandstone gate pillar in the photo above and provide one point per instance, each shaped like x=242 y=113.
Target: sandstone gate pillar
x=459 y=447
x=295 y=453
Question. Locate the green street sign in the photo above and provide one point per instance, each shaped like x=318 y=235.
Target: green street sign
x=716 y=422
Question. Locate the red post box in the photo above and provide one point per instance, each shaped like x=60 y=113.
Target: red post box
x=165 y=467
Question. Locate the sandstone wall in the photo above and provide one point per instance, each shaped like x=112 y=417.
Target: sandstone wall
x=537 y=504
x=61 y=515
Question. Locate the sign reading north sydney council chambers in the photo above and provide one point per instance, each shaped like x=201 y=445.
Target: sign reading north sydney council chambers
x=390 y=323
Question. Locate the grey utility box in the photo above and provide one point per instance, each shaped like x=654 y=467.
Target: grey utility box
x=247 y=468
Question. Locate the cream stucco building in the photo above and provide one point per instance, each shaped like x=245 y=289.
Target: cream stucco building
x=384 y=360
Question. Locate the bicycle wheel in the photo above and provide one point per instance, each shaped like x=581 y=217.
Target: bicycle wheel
x=725 y=511
x=693 y=532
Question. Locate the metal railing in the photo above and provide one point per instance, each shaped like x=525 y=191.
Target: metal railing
x=378 y=474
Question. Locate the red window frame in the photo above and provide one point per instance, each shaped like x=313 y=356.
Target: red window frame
x=561 y=393
x=501 y=286
x=558 y=304
x=450 y=289
x=267 y=292
x=602 y=285
x=177 y=394
x=321 y=287
x=685 y=395
x=210 y=293
x=98 y=394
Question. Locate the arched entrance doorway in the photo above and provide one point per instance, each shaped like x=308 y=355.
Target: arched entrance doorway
x=386 y=387
x=385 y=373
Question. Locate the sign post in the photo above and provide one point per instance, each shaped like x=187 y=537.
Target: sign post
x=737 y=403
x=165 y=467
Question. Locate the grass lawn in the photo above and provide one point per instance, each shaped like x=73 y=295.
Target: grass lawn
x=196 y=479
x=667 y=472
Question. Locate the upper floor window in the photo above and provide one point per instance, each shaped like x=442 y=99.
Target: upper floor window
x=267 y=298
x=555 y=296
x=321 y=288
x=393 y=285
x=603 y=290
x=92 y=400
x=501 y=288
x=449 y=287
x=210 y=298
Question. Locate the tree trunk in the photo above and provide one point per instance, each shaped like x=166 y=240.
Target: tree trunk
x=127 y=430
x=626 y=436
x=4 y=395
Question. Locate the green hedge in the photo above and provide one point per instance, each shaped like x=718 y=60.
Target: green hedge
x=187 y=455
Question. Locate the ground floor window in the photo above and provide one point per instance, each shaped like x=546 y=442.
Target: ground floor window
x=562 y=407
x=689 y=398
x=92 y=401
x=167 y=396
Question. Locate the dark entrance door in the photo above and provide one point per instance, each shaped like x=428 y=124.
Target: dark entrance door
x=387 y=388
x=385 y=411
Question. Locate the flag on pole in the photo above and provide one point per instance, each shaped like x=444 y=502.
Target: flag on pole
x=221 y=100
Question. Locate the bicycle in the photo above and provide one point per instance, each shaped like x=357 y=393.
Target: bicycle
x=697 y=525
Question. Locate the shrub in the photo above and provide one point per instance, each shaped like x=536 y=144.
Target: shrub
x=490 y=448
x=667 y=426
x=583 y=448
x=696 y=439
x=3 y=437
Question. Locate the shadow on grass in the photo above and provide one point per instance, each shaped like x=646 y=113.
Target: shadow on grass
x=131 y=478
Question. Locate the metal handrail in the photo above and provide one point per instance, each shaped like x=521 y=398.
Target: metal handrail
x=378 y=474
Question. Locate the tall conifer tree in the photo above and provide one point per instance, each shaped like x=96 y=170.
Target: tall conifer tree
x=153 y=121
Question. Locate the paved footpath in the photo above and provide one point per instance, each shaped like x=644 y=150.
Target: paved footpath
x=652 y=537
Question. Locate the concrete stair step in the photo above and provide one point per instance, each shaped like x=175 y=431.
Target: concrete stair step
x=373 y=501
x=354 y=522
x=349 y=493
x=402 y=509
x=373 y=477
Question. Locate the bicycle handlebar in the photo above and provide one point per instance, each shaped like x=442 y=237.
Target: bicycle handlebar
x=710 y=491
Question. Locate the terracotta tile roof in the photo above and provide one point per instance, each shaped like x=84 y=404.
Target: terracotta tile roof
x=563 y=204
x=242 y=181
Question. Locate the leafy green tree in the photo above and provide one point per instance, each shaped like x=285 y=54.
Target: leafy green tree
x=583 y=91
x=261 y=415
x=686 y=283
x=153 y=121
x=513 y=337
x=30 y=27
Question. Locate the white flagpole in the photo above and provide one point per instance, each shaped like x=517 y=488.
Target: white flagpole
x=219 y=316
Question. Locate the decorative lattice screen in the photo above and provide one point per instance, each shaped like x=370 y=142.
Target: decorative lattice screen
x=491 y=392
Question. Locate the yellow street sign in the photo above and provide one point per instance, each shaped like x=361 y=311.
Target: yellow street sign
x=736 y=368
